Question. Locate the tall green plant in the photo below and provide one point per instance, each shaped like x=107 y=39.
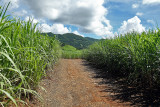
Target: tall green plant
x=24 y=56
x=134 y=56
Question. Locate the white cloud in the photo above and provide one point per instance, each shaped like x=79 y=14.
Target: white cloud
x=99 y=28
x=32 y=19
x=151 y=21
x=88 y=15
x=77 y=33
x=111 y=36
x=139 y=14
x=151 y=1
x=135 y=6
x=120 y=1
x=55 y=28
x=45 y=28
x=133 y=24
x=20 y=13
x=115 y=34
x=14 y=3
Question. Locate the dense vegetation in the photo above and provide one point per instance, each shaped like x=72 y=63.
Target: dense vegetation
x=134 y=57
x=70 y=52
x=74 y=40
x=24 y=56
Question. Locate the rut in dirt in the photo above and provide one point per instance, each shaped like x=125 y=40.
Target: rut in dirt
x=71 y=84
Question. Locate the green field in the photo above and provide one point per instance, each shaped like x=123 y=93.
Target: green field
x=70 y=52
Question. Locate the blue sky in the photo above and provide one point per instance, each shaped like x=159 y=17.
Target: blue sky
x=91 y=18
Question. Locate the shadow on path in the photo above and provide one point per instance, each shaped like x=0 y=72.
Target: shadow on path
x=124 y=92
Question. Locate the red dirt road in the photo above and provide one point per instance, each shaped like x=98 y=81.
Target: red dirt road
x=71 y=85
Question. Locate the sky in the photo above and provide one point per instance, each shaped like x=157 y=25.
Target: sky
x=88 y=18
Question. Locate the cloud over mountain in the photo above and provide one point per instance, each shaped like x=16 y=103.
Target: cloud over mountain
x=55 y=28
x=88 y=15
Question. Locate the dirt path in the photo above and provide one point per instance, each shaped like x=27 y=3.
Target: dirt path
x=71 y=85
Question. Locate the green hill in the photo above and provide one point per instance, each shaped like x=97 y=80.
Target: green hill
x=74 y=40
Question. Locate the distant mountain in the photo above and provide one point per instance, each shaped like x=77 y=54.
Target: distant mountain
x=91 y=39
x=72 y=39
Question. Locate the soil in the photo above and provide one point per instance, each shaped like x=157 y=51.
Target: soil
x=71 y=84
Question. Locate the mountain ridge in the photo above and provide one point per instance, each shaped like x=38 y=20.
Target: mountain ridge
x=74 y=40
